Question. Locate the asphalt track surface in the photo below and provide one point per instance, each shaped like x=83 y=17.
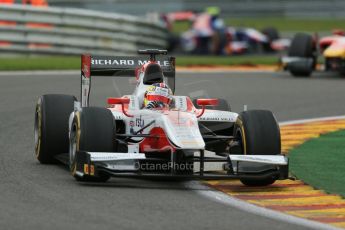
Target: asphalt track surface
x=35 y=196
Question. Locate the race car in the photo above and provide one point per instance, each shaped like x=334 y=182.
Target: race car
x=234 y=40
x=223 y=40
x=304 y=49
x=131 y=139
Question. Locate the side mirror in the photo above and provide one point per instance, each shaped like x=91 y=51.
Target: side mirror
x=120 y=101
x=205 y=102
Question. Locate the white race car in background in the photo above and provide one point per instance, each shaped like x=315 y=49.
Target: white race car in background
x=126 y=140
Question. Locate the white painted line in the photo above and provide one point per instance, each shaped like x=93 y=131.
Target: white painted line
x=301 y=121
x=250 y=208
x=221 y=197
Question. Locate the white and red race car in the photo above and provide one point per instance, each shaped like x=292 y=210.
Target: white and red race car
x=127 y=140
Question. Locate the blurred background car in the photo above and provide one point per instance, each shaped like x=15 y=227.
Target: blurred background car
x=208 y=34
x=305 y=49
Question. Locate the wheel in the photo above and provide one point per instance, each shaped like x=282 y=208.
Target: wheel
x=272 y=34
x=51 y=126
x=258 y=134
x=302 y=45
x=223 y=105
x=93 y=129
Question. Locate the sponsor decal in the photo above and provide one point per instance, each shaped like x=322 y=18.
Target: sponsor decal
x=92 y=170
x=132 y=103
x=86 y=71
x=85 y=82
x=140 y=62
x=214 y=119
x=180 y=102
x=126 y=165
x=139 y=122
x=85 y=66
x=218 y=116
x=109 y=156
x=191 y=142
x=125 y=62
x=86 y=169
x=111 y=62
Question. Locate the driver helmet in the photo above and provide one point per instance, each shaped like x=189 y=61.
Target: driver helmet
x=158 y=95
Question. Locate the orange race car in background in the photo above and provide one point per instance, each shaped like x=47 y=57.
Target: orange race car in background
x=304 y=50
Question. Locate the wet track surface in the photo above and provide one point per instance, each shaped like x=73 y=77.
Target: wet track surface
x=35 y=196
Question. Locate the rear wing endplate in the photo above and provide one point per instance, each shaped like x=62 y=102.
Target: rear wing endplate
x=118 y=66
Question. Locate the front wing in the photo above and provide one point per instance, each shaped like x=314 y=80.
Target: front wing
x=234 y=166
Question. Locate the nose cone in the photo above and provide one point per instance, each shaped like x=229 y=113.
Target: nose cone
x=183 y=130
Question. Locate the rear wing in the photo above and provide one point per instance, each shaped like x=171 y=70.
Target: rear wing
x=118 y=66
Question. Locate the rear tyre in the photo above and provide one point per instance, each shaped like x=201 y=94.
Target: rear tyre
x=51 y=126
x=93 y=129
x=302 y=45
x=259 y=134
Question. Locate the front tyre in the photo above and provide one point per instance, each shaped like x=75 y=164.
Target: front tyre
x=93 y=130
x=258 y=134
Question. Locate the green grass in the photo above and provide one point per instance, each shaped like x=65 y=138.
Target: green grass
x=69 y=63
x=282 y=24
x=320 y=162
x=40 y=63
x=228 y=60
